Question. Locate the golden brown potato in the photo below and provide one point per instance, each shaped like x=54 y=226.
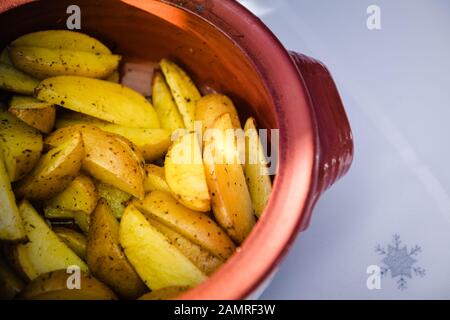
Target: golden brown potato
x=80 y=195
x=21 y=145
x=43 y=63
x=255 y=169
x=231 y=202
x=74 y=240
x=17 y=257
x=39 y=115
x=62 y=39
x=10 y=283
x=155 y=178
x=153 y=143
x=45 y=251
x=168 y=293
x=54 y=286
x=11 y=226
x=195 y=226
x=202 y=258
x=212 y=106
x=16 y=81
x=183 y=91
x=108 y=158
x=165 y=107
x=105 y=257
x=117 y=199
x=101 y=99
x=158 y=263
x=185 y=173
x=54 y=171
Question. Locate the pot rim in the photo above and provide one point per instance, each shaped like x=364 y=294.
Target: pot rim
x=293 y=189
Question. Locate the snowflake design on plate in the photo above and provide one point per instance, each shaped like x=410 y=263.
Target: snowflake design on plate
x=400 y=261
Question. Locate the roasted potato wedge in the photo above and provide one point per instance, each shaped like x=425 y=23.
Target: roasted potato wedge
x=155 y=178
x=185 y=173
x=53 y=286
x=11 y=226
x=54 y=171
x=183 y=89
x=45 y=251
x=165 y=106
x=202 y=258
x=117 y=199
x=105 y=257
x=108 y=157
x=42 y=63
x=21 y=146
x=231 y=201
x=167 y=293
x=17 y=257
x=80 y=195
x=62 y=39
x=74 y=240
x=210 y=107
x=158 y=263
x=101 y=99
x=153 y=143
x=16 y=81
x=195 y=226
x=255 y=168
x=39 y=115
x=10 y=283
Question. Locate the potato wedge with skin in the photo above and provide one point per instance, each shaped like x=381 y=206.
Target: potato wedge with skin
x=153 y=143
x=74 y=240
x=210 y=107
x=54 y=171
x=62 y=39
x=231 y=201
x=105 y=257
x=39 y=115
x=117 y=199
x=101 y=99
x=185 y=173
x=183 y=89
x=158 y=263
x=21 y=145
x=165 y=106
x=155 y=178
x=80 y=195
x=195 y=226
x=53 y=286
x=108 y=158
x=42 y=63
x=10 y=283
x=17 y=258
x=45 y=251
x=168 y=293
x=11 y=225
x=202 y=258
x=255 y=169
x=16 y=81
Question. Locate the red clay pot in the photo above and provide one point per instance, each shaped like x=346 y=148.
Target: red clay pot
x=226 y=48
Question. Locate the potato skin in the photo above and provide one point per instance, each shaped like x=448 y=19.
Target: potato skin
x=101 y=99
x=74 y=240
x=43 y=63
x=10 y=283
x=37 y=114
x=105 y=257
x=53 y=286
x=108 y=158
x=230 y=198
x=21 y=145
x=195 y=226
x=54 y=171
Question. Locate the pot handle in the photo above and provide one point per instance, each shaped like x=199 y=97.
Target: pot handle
x=334 y=151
